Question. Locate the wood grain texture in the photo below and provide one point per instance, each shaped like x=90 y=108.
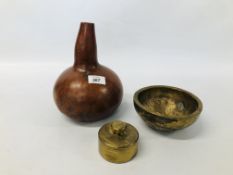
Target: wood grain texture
x=167 y=108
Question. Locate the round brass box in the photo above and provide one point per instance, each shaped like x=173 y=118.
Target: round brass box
x=118 y=141
x=167 y=108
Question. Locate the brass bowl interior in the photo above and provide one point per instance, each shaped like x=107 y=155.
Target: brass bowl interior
x=170 y=102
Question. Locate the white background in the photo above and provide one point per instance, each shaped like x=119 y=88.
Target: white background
x=183 y=43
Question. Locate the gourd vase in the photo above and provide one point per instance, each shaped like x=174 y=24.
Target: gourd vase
x=87 y=91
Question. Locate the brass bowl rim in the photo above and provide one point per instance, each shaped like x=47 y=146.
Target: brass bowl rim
x=194 y=97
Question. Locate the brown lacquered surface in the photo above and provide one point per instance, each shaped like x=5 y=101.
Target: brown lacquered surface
x=79 y=99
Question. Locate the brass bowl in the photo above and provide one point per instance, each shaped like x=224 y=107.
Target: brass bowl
x=167 y=108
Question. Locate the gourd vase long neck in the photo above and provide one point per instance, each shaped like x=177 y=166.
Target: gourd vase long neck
x=85 y=47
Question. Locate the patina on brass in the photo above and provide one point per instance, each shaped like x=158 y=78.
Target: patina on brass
x=167 y=108
x=118 y=141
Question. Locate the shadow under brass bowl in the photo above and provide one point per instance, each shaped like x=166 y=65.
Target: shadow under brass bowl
x=167 y=108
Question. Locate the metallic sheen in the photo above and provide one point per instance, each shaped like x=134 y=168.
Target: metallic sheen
x=118 y=141
x=167 y=108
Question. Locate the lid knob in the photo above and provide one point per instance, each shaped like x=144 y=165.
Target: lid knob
x=118 y=127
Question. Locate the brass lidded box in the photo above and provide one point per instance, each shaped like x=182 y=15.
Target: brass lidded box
x=118 y=141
